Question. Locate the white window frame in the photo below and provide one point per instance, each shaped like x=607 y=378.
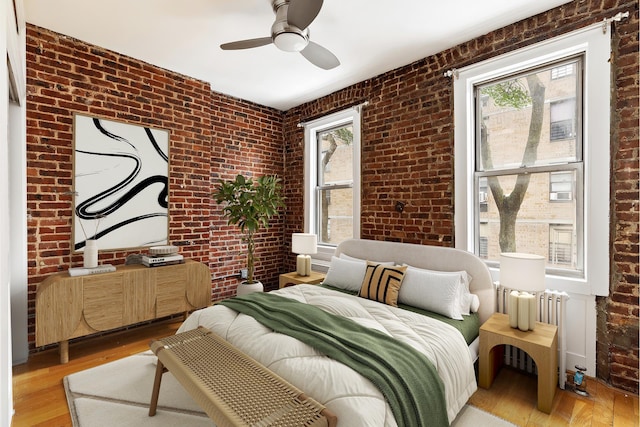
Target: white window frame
x=311 y=129
x=596 y=48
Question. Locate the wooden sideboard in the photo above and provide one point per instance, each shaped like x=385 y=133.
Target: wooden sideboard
x=68 y=307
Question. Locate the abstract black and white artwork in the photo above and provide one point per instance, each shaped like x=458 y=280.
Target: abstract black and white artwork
x=120 y=183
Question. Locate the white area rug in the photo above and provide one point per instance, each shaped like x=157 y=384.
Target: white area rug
x=118 y=394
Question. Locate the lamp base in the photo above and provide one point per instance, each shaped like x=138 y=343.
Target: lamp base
x=303 y=264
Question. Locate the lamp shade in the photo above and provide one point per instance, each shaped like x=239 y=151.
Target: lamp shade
x=304 y=243
x=524 y=272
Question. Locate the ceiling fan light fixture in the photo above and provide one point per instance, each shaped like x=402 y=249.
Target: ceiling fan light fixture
x=290 y=41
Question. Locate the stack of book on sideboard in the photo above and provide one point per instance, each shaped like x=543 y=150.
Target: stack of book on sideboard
x=162 y=255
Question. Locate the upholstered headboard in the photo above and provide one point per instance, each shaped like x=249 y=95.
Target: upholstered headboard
x=430 y=257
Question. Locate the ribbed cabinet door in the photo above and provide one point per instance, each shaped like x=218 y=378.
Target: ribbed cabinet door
x=58 y=308
x=103 y=296
x=140 y=297
x=198 y=285
x=171 y=284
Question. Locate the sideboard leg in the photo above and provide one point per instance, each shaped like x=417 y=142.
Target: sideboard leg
x=64 y=351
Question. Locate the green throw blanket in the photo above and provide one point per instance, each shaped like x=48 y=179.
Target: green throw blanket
x=406 y=378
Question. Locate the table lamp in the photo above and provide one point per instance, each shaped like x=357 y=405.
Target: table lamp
x=304 y=244
x=525 y=274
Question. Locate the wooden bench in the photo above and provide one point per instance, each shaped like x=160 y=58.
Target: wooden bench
x=231 y=387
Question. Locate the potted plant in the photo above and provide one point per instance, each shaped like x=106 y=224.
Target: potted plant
x=250 y=204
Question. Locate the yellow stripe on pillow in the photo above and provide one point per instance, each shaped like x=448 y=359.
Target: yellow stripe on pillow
x=382 y=282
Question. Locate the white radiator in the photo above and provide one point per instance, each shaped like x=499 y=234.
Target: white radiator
x=551 y=308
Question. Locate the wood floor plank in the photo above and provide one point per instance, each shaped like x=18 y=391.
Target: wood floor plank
x=557 y=417
x=603 y=405
x=514 y=398
x=39 y=398
x=582 y=412
x=625 y=410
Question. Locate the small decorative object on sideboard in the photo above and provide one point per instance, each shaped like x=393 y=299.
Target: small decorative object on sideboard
x=83 y=271
x=162 y=255
x=90 y=253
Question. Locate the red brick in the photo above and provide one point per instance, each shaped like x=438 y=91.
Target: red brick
x=91 y=80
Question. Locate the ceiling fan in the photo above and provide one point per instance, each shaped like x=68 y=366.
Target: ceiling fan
x=290 y=33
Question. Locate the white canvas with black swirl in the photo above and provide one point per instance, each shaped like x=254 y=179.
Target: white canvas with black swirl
x=120 y=184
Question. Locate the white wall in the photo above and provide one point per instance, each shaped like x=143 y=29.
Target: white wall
x=6 y=396
x=18 y=233
x=581 y=332
x=13 y=260
x=6 y=404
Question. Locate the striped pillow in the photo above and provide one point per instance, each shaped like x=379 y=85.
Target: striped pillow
x=382 y=282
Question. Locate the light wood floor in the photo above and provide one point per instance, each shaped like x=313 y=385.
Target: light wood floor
x=39 y=398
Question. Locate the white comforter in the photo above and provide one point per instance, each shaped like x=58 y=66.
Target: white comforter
x=353 y=398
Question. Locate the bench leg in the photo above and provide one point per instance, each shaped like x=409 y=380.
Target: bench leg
x=156 y=389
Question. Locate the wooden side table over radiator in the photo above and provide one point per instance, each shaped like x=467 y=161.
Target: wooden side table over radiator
x=541 y=344
x=293 y=278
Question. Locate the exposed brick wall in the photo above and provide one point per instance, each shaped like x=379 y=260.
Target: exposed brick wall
x=212 y=136
x=407 y=155
x=617 y=347
x=248 y=140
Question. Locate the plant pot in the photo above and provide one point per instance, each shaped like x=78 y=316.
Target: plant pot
x=247 y=288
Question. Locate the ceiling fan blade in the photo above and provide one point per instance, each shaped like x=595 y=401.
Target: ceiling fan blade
x=320 y=56
x=302 y=12
x=246 y=44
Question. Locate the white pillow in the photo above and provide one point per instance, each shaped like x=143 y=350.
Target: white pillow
x=475 y=303
x=350 y=258
x=437 y=291
x=465 y=297
x=345 y=274
x=471 y=303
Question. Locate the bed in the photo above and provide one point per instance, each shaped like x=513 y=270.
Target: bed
x=357 y=397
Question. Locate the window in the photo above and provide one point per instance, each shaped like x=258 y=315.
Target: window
x=332 y=179
x=531 y=130
x=334 y=216
x=562 y=71
x=561 y=244
x=483 y=250
x=483 y=195
x=561 y=186
x=517 y=162
x=563 y=118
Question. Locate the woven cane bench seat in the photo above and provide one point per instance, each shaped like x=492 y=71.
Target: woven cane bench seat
x=231 y=387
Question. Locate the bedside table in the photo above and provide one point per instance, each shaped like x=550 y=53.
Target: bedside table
x=541 y=344
x=291 y=279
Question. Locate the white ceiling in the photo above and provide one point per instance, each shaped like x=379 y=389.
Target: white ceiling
x=369 y=37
